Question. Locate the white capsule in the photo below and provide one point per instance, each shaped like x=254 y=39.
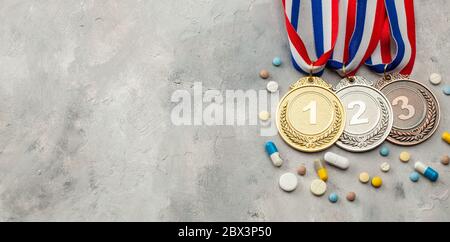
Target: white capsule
x=336 y=160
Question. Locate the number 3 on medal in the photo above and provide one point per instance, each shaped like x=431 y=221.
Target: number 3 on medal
x=312 y=106
x=405 y=105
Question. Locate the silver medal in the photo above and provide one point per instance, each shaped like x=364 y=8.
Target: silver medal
x=369 y=115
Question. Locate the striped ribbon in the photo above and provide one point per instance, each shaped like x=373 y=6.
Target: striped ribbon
x=396 y=49
x=360 y=26
x=316 y=20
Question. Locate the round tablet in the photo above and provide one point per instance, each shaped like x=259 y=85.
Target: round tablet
x=385 y=167
x=351 y=196
x=405 y=157
x=276 y=61
x=446 y=89
x=264 y=115
x=364 y=177
x=264 y=74
x=435 y=78
x=272 y=86
x=414 y=176
x=318 y=187
x=333 y=197
x=301 y=170
x=384 y=151
x=445 y=160
x=377 y=182
x=288 y=182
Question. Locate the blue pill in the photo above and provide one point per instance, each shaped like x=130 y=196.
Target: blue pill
x=276 y=61
x=414 y=177
x=333 y=197
x=271 y=148
x=384 y=151
x=446 y=89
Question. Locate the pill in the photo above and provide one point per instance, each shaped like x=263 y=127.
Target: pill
x=272 y=86
x=318 y=187
x=435 y=78
x=288 y=182
x=426 y=171
x=414 y=176
x=276 y=61
x=264 y=115
x=301 y=170
x=319 y=166
x=364 y=177
x=445 y=160
x=446 y=137
x=333 y=197
x=377 y=182
x=264 y=74
x=336 y=160
x=351 y=196
x=446 y=89
x=385 y=167
x=272 y=151
x=384 y=151
x=405 y=157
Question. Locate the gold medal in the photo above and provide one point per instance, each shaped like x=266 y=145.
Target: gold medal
x=310 y=117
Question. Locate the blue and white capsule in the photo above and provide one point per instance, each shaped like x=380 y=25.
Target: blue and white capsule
x=426 y=171
x=272 y=150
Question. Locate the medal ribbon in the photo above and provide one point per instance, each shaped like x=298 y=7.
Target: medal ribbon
x=318 y=18
x=360 y=26
x=399 y=28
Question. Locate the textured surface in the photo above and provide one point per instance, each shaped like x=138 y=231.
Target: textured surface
x=85 y=131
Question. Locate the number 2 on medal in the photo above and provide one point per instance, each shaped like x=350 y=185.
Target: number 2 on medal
x=405 y=105
x=312 y=106
x=356 y=119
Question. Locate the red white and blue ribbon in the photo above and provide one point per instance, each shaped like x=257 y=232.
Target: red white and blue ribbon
x=312 y=27
x=396 y=50
x=360 y=26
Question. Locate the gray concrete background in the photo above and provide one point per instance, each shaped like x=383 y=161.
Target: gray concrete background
x=85 y=131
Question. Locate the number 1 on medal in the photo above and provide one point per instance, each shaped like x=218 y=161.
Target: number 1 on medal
x=312 y=106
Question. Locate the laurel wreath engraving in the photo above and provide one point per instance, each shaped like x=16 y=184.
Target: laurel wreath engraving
x=375 y=135
x=424 y=129
x=311 y=141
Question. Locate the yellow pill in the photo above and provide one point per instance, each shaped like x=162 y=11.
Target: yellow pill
x=405 y=156
x=322 y=173
x=377 y=182
x=364 y=177
x=321 y=170
x=446 y=137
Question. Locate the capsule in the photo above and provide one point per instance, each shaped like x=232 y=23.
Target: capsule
x=336 y=160
x=319 y=166
x=272 y=151
x=446 y=137
x=426 y=171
